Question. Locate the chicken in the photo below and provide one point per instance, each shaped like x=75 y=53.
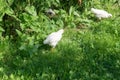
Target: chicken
x=100 y=13
x=50 y=13
x=54 y=38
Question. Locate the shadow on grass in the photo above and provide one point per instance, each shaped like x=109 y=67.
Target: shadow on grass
x=40 y=65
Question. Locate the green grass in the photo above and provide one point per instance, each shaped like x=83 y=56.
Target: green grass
x=90 y=53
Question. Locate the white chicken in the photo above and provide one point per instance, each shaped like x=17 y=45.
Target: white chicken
x=100 y=13
x=54 y=38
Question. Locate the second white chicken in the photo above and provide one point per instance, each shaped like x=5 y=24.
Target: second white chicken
x=54 y=38
x=100 y=13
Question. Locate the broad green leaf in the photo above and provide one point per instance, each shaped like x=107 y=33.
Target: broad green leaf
x=9 y=11
x=22 y=47
x=76 y=14
x=22 y=26
x=12 y=76
x=31 y=10
x=18 y=32
x=2 y=4
x=5 y=8
x=1 y=29
x=71 y=10
x=60 y=23
x=10 y=2
x=1 y=16
x=57 y=1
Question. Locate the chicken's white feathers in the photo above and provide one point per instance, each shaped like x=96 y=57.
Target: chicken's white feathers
x=54 y=38
x=101 y=13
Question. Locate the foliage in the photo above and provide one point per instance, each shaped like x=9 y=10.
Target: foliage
x=89 y=49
